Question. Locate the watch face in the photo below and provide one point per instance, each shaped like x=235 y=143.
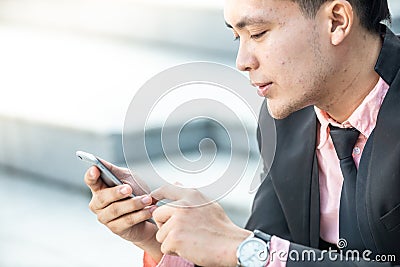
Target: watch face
x=253 y=253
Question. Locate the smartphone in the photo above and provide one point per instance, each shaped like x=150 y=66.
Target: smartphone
x=105 y=174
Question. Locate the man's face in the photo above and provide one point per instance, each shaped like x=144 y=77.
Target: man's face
x=282 y=50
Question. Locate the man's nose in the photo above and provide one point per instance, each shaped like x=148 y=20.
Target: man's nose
x=246 y=59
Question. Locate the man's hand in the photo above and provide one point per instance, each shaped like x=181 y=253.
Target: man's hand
x=123 y=215
x=202 y=234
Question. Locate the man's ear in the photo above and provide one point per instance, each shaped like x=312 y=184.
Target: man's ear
x=341 y=16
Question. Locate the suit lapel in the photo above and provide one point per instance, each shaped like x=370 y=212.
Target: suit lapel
x=377 y=168
x=381 y=170
x=293 y=182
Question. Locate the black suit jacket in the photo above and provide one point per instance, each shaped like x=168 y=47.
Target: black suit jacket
x=287 y=202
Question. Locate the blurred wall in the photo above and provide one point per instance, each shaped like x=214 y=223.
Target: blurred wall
x=187 y=24
x=71 y=68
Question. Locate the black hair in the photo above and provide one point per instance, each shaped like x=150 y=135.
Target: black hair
x=370 y=12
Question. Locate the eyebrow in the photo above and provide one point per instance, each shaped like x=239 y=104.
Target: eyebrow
x=228 y=25
x=246 y=22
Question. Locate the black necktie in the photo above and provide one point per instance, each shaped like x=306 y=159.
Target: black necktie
x=344 y=140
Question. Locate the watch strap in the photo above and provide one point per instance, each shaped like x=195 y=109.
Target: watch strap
x=262 y=236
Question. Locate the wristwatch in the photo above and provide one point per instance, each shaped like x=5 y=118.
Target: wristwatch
x=254 y=250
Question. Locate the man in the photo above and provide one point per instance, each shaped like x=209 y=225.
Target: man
x=322 y=65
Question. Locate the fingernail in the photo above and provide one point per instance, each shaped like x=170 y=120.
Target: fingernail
x=146 y=200
x=152 y=209
x=124 y=190
x=91 y=172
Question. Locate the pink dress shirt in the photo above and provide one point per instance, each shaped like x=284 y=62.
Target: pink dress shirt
x=330 y=176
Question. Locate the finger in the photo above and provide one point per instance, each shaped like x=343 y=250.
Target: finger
x=121 y=208
x=128 y=220
x=163 y=230
x=106 y=196
x=171 y=242
x=92 y=179
x=139 y=186
x=162 y=214
x=167 y=250
x=171 y=192
x=117 y=171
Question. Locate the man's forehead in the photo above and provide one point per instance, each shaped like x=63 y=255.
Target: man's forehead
x=240 y=13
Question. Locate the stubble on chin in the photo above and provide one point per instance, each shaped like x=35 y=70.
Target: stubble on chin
x=280 y=112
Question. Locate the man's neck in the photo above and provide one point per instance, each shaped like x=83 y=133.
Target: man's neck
x=355 y=79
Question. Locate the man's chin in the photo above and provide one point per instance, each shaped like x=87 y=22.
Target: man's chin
x=280 y=112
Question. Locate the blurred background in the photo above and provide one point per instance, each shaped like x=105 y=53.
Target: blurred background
x=68 y=71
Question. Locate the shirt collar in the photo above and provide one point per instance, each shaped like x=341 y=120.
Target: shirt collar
x=363 y=118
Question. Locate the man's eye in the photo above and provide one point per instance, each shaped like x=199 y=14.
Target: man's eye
x=257 y=36
x=236 y=38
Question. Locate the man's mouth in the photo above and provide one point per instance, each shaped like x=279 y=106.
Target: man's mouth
x=263 y=88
